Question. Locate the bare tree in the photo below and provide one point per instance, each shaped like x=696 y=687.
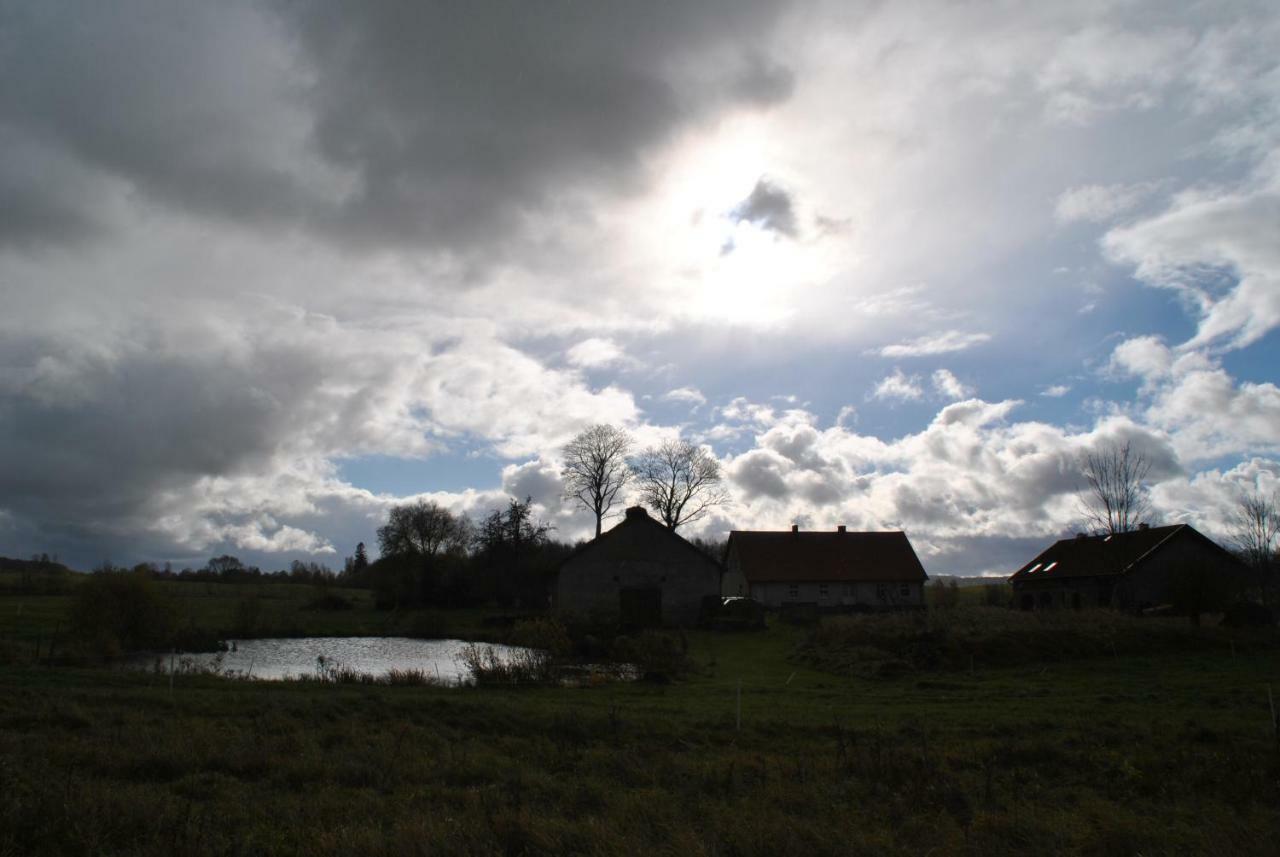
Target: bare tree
x=1116 y=499
x=595 y=468
x=1256 y=525
x=679 y=481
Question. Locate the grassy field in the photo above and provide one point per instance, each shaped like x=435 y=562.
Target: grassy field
x=1141 y=750
x=241 y=610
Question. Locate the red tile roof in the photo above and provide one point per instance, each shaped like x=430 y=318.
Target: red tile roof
x=788 y=556
x=1092 y=556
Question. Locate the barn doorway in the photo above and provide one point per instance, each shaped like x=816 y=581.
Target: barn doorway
x=640 y=607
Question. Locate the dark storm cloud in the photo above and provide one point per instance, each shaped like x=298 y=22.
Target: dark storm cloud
x=769 y=207
x=94 y=437
x=439 y=127
x=181 y=103
x=460 y=119
x=436 y=124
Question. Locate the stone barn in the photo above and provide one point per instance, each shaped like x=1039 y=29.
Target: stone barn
x=640 y=573
x=1131 y=571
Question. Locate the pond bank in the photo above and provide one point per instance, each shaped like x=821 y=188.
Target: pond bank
x=276 y=659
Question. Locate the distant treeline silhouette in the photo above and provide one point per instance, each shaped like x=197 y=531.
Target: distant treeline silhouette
x=430 y=557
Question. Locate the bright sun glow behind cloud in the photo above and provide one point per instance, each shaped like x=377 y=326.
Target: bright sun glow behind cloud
x=716 y=267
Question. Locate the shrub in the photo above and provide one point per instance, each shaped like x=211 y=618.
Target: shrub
x=546 y=634
x=944 y=593
x=120 y=611
x=997 y=595
x=519 y=666
x=659 y=656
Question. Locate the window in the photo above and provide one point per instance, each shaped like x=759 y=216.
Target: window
x=793 y=591
x=905 y=590
x=822 y=590
x=882 y=592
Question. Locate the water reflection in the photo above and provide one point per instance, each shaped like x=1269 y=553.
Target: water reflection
x=277 y=659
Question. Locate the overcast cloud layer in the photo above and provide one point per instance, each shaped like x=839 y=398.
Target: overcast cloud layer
x=269 y=268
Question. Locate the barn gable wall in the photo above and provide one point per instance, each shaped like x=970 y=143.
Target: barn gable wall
x=734 y=582
x=638 y=554
x=1153 y=581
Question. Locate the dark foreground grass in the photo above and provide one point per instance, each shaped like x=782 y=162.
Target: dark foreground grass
x=1153 y=753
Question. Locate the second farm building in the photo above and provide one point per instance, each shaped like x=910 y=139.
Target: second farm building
x=840 y=569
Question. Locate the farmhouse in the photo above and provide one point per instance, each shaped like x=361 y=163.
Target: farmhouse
x=829 y=569
x=1130 y=570
x=639 y=572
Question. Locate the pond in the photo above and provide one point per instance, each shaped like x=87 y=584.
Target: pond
x=278 y=659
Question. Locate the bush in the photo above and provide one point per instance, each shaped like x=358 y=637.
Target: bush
x=121 y=611
x=944 y=593
x=657 y=655
x=997 y=594
x=521 y=666
x=546 y=634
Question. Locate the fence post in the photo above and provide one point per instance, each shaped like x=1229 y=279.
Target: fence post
x=740 y=705
x=1275 y=724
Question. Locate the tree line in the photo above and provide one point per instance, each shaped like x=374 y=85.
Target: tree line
x=433 y=557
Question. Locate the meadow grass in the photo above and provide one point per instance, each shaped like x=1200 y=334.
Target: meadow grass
x=968 y=636
x=214 y=611
x=1151 y=752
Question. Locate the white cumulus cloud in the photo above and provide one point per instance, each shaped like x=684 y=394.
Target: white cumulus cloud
x=898 y=385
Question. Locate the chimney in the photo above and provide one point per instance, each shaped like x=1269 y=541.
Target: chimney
x=840 y=528
x=635 y=512
x=1081 y=537
x=1144 y=526
x=795 y=528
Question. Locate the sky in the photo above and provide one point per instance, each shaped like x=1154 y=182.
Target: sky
x=268 y=269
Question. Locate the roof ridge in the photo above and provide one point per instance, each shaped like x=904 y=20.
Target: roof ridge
x=1174 y=530
x=637 y=520
x=819 y=532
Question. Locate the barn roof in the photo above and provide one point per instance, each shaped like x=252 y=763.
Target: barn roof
x=1104 y=555
x=629 y=537
x=787 y=556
